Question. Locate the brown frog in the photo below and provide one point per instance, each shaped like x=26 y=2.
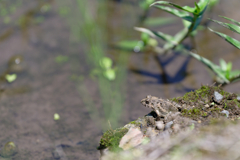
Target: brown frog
x=162 y=107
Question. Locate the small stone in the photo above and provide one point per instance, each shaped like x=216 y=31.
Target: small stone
x=217 y=96
x=206 y=105
x=238 y=98
x=159 y=125
x=131 y=139
x=225 y=112
x=168 y=125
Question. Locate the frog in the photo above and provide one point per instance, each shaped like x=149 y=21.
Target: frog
x=162 y=107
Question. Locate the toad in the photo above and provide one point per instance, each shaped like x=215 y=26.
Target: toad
x=162 y=107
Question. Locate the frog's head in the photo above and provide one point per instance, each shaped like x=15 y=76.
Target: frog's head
x=148 y=101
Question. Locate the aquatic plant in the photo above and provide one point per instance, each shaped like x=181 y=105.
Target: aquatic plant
x=88 y=28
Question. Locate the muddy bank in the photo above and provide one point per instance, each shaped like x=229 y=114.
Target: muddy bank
x=200 y=124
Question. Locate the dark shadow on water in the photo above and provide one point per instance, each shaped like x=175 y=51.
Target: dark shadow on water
x=165 y=78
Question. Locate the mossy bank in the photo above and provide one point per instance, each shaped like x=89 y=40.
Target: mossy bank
x=198 y=108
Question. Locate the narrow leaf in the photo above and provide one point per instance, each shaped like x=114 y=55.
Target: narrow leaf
x=232 y=20
x=181 y=14
x=198 y=21
x=234 y=74
x=230 y=40
x=203 y=5
x=215 y=68
x=223 y=64
x=185 y=8
x=232 y=27
x=158 y=21
x=229 y=66
x=180 y=35
x=175 y=40
x=155 y=34
x=197 y=8
x=129 y=45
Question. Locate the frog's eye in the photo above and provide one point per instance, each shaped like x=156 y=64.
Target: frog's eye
x=147 y=102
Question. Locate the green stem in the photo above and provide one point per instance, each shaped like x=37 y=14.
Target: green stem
x=162 y=51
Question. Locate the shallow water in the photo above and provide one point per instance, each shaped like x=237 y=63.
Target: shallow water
x=46 y=87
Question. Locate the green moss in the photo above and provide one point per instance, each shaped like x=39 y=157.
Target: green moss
x=135 y=123
x=204 y=114
x=236 y=102
x=225 y=105
x=194 y=96
x=194 y=112
x=216 y=110
x=111 y=139
x=197 y=100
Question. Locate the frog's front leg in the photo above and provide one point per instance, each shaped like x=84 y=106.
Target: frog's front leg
x=161 y=113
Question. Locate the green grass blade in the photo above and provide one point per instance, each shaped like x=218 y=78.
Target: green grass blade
x=232 y=27
x=232 y=20
x=223 y=64
x=180 y=35
x=130 y=45
x=215 y=68
x=159 y=21
x=197 y=22
x=234 y=74
x=203 y=5
x=229 y=39
x=182 y=14
x=229 y=66
x=185 y=8
x=154 y=34
x=198 y=10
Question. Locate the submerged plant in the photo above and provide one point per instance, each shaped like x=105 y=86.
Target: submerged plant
x=90 y=31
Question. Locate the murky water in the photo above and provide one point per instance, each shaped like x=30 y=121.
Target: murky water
x=41 y=31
